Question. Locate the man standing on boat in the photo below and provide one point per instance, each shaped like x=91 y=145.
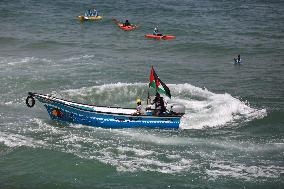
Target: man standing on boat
x=160 y=87
x=159 y=105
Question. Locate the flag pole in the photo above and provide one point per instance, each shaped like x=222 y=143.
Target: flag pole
x=148 y=97
x=155 y=80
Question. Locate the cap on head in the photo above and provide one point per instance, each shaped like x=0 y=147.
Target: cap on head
x=138 y=100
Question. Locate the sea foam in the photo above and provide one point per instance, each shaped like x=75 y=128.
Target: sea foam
x=204 y=109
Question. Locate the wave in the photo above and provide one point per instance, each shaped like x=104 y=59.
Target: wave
x=4 y=61
x=76 y=58
x=204 y=109
x=16 y=61
x=132 y=150
x=242 y=171
x=46 y=44
x=17 y=140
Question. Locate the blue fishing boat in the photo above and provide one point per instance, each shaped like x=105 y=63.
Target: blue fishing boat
x=107 y=117
x=112 y=117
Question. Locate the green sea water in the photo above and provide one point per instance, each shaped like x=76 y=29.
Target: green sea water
x=231 y=136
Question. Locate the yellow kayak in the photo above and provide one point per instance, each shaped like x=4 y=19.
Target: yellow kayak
x=85 y=18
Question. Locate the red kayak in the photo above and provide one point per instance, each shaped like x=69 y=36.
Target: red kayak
x=160 y=36
x=123 y=27
x=127 y=28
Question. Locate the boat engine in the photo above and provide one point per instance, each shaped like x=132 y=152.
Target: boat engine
x=177 y=109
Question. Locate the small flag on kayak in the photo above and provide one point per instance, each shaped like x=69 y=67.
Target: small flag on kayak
x=157 y=84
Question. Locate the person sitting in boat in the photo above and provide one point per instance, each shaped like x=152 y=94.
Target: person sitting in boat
x=159 y=105
x=157 y=32
x=88 y=13
x=126 y=23
x=238 y=60
x=94 y=13
x=139 y=108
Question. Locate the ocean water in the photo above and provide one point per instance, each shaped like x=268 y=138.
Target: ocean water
x=231 y=136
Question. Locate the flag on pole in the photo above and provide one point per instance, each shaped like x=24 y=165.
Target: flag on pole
x=157 y=84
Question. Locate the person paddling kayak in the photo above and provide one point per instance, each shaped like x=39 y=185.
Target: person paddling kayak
x=126 y=23
x=157 y=32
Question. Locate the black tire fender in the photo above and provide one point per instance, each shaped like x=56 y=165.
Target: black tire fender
x=30 y=101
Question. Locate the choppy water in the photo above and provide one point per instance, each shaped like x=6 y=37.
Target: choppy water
x=231 y=135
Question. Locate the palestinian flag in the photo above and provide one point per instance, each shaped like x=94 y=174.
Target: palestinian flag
x=157 y=84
